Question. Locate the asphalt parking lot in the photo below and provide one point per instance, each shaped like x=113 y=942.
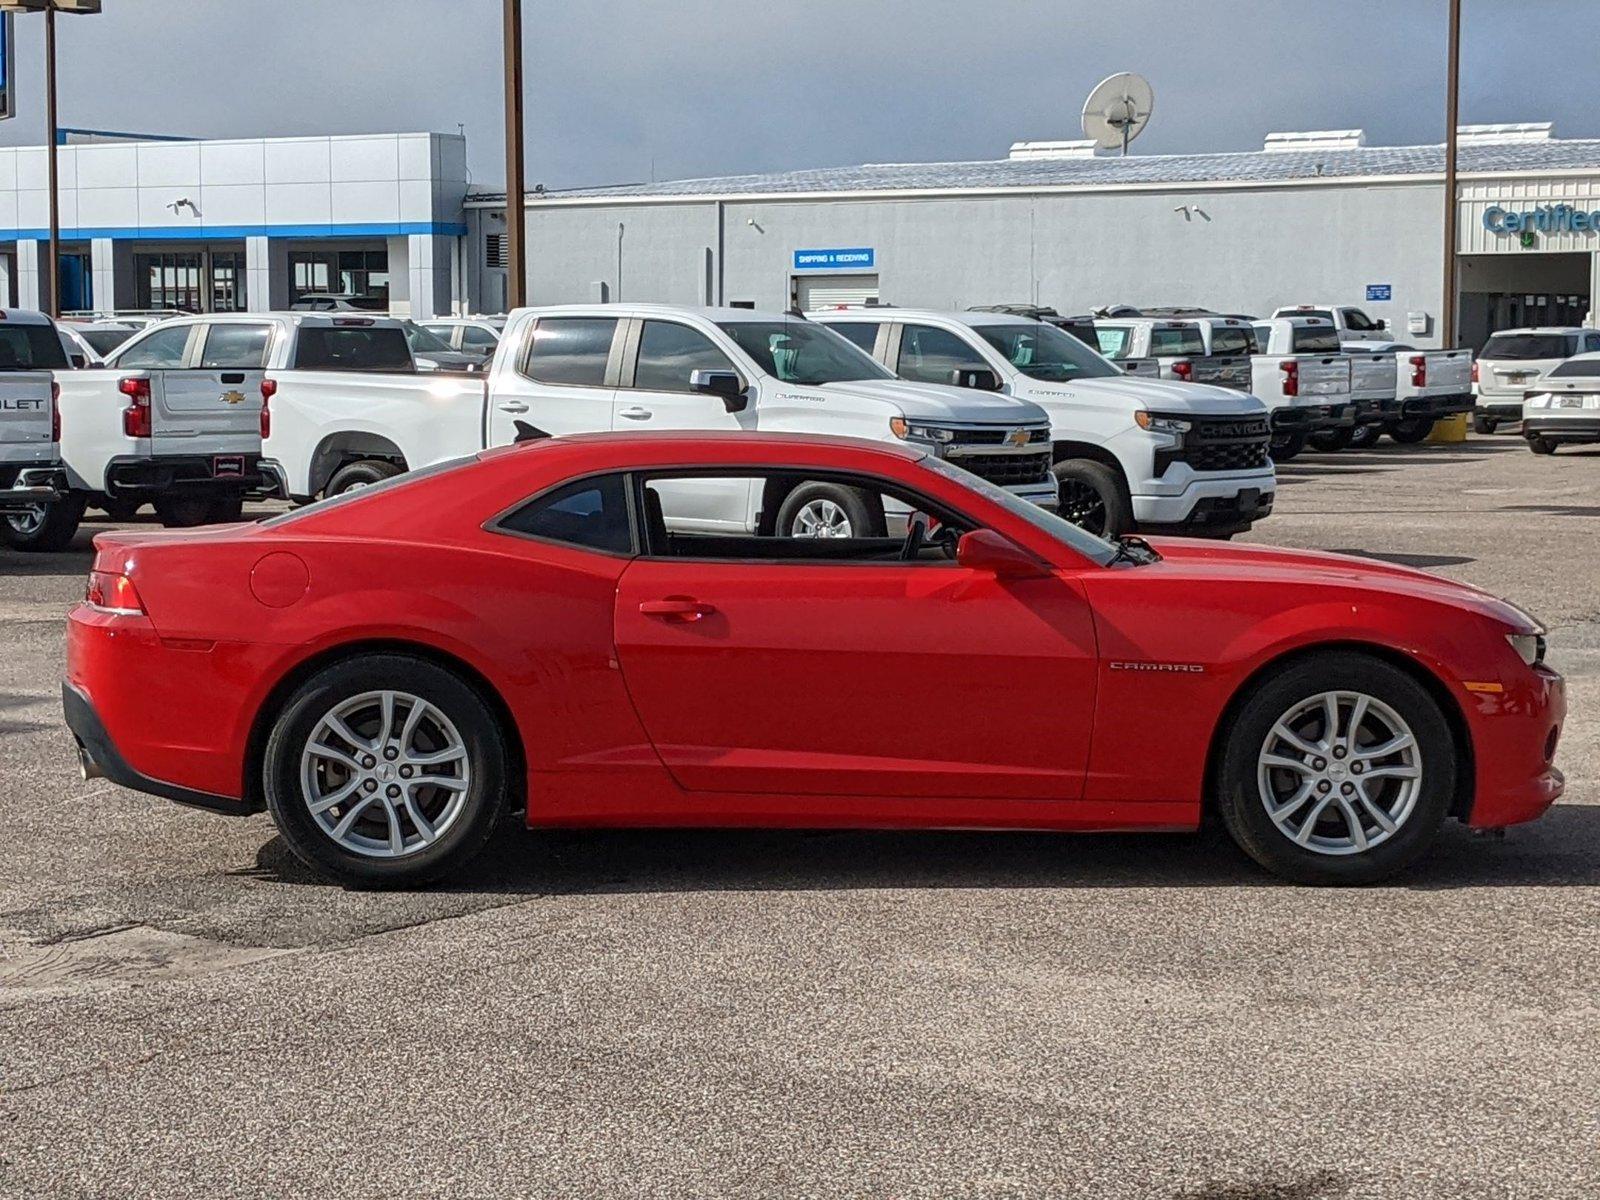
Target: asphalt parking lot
x=184 y=1011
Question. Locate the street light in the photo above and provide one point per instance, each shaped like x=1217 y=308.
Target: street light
x=50 y=8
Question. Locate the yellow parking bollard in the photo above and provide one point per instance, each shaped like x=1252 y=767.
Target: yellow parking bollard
x=1450 y=429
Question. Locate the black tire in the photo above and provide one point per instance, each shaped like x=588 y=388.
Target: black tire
x=361 y=474
x=1483 y=423
x=488 y=760
x=1093 y=497
x=1243 y=810
x=1285 y=446
x=185 y=510
x=226 y=509
x=1410 y=431
x=46 y=528
x=1364 y=437
x=1540 y=445
x=1329 y=441
x=861 y=511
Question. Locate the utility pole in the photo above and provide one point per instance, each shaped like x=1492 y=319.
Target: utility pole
x=516 y=187
x=1447 y=323
x=52 y=271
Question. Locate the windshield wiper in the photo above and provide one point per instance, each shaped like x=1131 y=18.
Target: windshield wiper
x=1133 y=549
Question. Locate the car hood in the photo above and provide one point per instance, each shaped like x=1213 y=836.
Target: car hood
x=937 y=401
x=1197 y=559
x=1158 y=395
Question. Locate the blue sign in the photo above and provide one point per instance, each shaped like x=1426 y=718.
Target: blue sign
x=1547 y=218
x=1380 y=291
x=858 y=259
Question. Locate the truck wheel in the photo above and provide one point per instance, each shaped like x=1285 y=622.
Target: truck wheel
x=1484 y=424
x=1285 y=446
x=225 y=510
x=361 y=474
x=1364 y=436
x=1411 y=430
x=121 y=510
x=1330 y=440
x=44 y=528
x=827 y=510
x=185 y=510
x=1540 y=445
x=1091 y=496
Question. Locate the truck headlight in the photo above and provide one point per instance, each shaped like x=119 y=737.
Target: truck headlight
x=903 y=428
x=1156 y=423
x=1529 y=647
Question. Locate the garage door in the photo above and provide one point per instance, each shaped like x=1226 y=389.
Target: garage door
x=830 y=291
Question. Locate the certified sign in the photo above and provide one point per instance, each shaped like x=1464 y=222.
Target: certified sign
x=857 y=258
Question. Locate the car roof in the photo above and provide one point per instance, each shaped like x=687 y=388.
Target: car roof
x=922 y=314
x=626 y=449
x=24 y=316
x=1546 y=329
x=658 y=310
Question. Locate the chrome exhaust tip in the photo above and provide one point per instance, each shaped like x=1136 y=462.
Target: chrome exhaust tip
x=87 y=768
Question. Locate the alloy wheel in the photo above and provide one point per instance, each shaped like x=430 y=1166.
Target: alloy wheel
x=27 y=522
x=821 y=518
x=1339 y=773
x=385 y=774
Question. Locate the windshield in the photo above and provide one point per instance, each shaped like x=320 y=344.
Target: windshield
x=104 y=341
x=31 y=348
x=801 y=352
x=423 y=341
x=1096 y=549
x=1530 y=345
x=1044 y=352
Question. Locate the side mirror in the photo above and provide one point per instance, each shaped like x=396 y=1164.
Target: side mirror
x=1383 y=323
x=978 y=378
x=726 y=384
x=986 y=550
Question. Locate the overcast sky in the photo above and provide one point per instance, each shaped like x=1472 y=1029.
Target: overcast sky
x=618 y=89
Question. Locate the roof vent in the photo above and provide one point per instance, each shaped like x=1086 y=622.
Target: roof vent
x=1499 y=135
x=1085 y=148
x=1316 y=139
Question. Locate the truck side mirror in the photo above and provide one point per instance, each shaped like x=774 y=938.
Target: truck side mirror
x=986 y=550
x=1383 y=323
x=726 y=384
x=978 y=378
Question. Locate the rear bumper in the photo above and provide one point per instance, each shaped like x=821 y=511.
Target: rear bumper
x=1504 y=410
x=31 y=486
x=1554 y=427
x=99 y=758
x=132 y=475
x=1429 y=406
x=1310 y=418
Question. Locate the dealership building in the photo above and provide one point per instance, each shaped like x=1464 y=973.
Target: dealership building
x=1310 y=217
x=163 y=223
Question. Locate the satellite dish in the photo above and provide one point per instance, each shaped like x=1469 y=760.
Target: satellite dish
x=1117 y=110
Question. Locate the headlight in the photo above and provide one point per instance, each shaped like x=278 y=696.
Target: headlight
x=1159 y=424
x=903 y=428
x=1529 y=646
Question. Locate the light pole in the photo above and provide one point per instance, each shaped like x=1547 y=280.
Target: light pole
x=49 y=8
x=1452 y=103
x=516 y=190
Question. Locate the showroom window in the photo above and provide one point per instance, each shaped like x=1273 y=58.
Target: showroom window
x=570 y=350
x=669 y=353
x=929 y=355
x=591 y=514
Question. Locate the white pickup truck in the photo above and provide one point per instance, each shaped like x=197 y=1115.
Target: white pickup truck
x=587 y=368
x=1301 y=374
x=1129 y=452
x=32 y=485
x=1352 y=325
x=1212 y=350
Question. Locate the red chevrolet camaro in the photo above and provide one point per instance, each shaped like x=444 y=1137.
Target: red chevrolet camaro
x=578 y=630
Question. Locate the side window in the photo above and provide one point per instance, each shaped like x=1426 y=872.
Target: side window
x=162 y=348
x=570 y=350
x=1113 y=342
x=239 y=347
x=929 y=355
x=669 y=353
x=1591 y=341
x=445 y=333
x=591 y=514
x=862 y=333
x=478 y=338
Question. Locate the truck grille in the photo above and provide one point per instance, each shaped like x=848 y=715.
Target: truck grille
x=997 y=437
x=1221 y=444
x=1006 y=470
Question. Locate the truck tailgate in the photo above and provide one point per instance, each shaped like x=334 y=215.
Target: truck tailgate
x=1372 y=376
x=1324 y=376
x=1229 y=371
x=1449 y=372
x=205 y=411
x=25 y=416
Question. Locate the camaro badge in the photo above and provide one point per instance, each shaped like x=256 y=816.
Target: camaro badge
x=1170 y=668
x=233 y=397
x=1017 y=437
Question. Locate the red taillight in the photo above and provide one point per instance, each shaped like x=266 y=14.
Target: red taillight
x=1291 y=378
x=1419 y=371
x=113 y=593
x=1474 y=370
x=55 y=412
x=1183 y=368
x=136 y=417
x=269 y=389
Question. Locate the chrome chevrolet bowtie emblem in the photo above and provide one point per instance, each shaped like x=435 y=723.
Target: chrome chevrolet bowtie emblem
x=233 y=397
x=1017 y=437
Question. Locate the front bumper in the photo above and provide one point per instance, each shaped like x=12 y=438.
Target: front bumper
x=1213 y=506
x=31 y=486
x=1515 y=733
x=133 y=476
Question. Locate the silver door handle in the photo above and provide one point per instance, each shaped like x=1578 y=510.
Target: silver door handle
x=636 y=414
x=514 y=406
